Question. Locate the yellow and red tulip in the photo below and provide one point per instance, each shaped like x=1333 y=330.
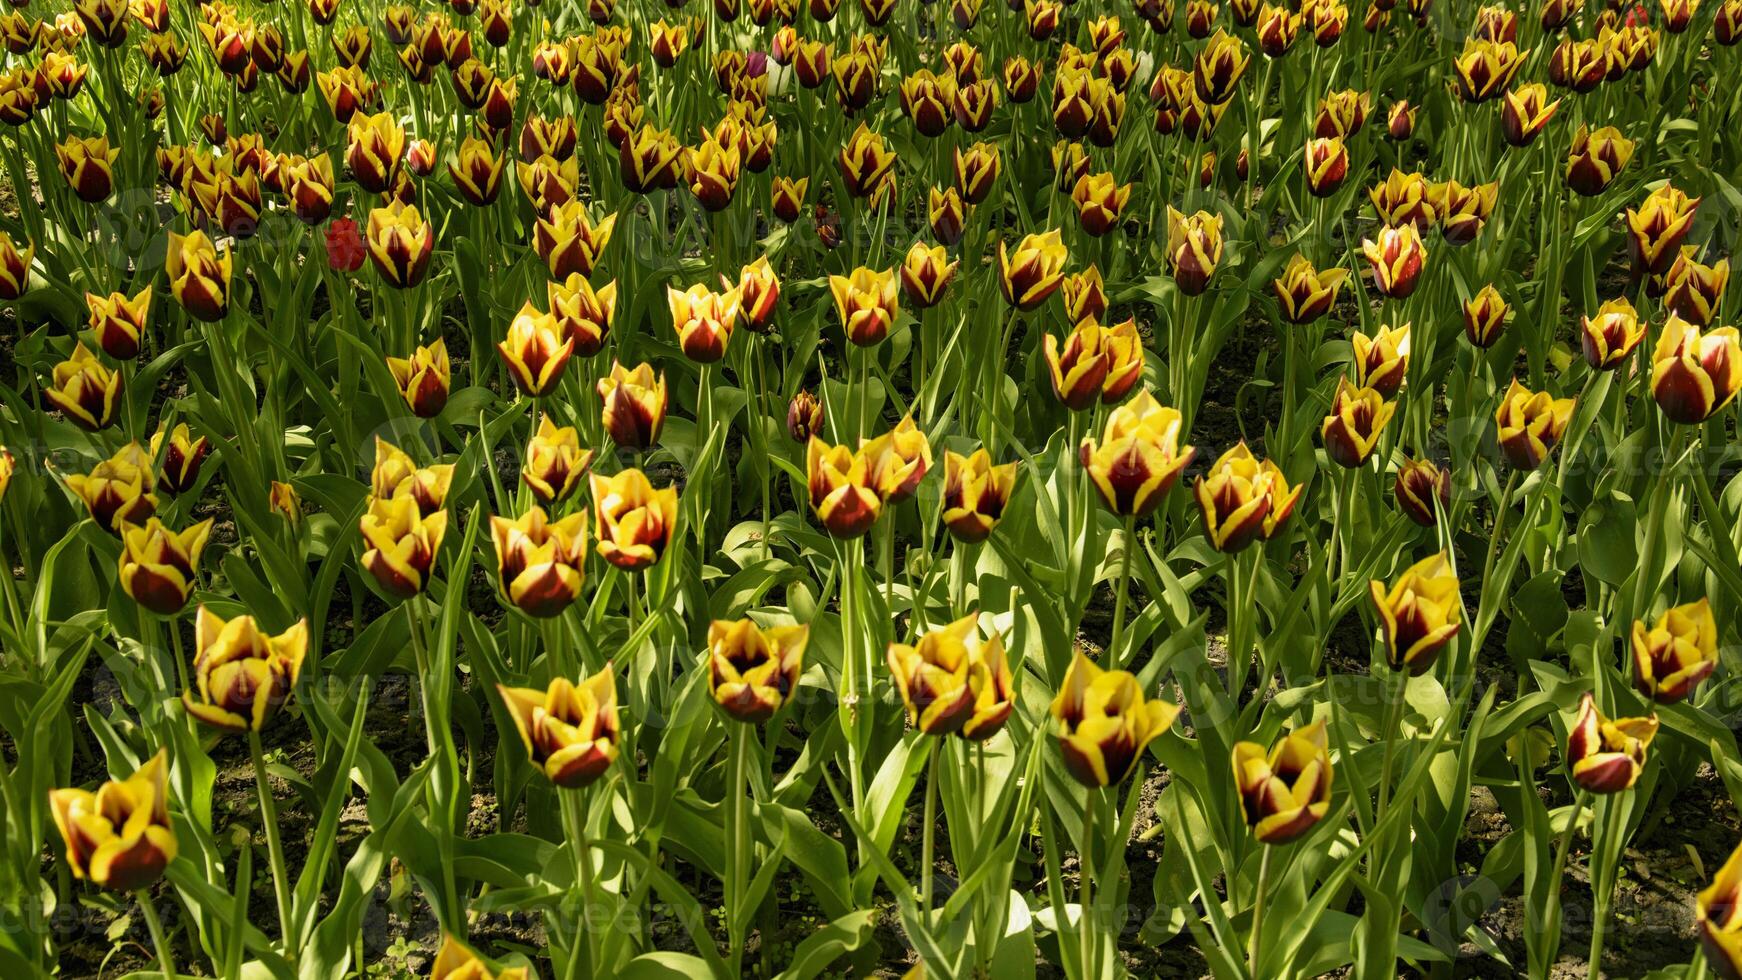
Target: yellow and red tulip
x=1530 y=425
x=758 y=295
x=634 y=521
x=1694 y=374
x=118 y=321
x=88 y=164
x=704 y=320
x=1595 y=158
x=581 y=313
x=1032 y=272
x=842 y=493
x=947 y=215
x=181 y=456
x=788 y=196
x=1485 y=68
x=1485 y=316
x=1381 y=361
x=540 y=564
x=1100 y=201
x=1358 y=418
x=1525 y=112
x=1244 y=499
x=634 y=403
x=400 y=244
x=555 y=462
x=242 y=674
x=1396 y=260
x=535 y=351
x=117 y=491
x=1305 y=293
x=1692 y=290
x=867 y=302
x=86 y=389
x=158 y=565
x=925 y=274
x=804 y=416
x=975 y=494
x=1285 y=792
x=1672 y=657
x=1139 y=457
x=1105 y=723
x=374 y=150
x=199 y=275
x=1419 y=614
x=569 y=730
x=119 y=837
x=1609 y=338
x=1419 y=483
x=424 y=378
x=1606 y=755
x=753 y=671
x=402 y=543
x=1656 y=230
x=1194 y=249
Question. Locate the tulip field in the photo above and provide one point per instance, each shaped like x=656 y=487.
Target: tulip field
x=676 y=489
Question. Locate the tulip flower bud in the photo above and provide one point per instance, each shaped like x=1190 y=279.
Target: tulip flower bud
x=1382 y=361
x=897 y=461
x=1304 y=293
x=841 y=490
x=1525 y=112
x=477 y=171
x=648 y=160
x=953 y=682
x=1693 y=291
x=568 y=240
x=1530 y=425
x=1727 y=30
x=555 y=462
x=1400 y=121
x=753 y=671
x=1286 y=792
x=925 y=273
x=1021 y=79
x=1358 y=417
x=1463 y=211
x=867 y=303
x=400 y=243
x=634 y=406
x=1596 y=157
x=569 y=730
x=1244 y=500
x=788 y=197
x=1099 y=200
x=704 y=320
x=242 y=675
x=1084 y=296
x=1608 y=339
x=540 y=565
x=88 y=164
x=1194 y=248
x=1485 y=316
x=1104 y=723
x=1395 y=260
x=535 y=351
x=1419 y=615
x=947 y=215
x=714 y=173
x=1139 y=457
x=181 y=455
x=402 y=543
x=119 y=837
x=1277 y=29
x=634 y=520
x=975 y=494
x=1606 y=755
x=1693 y=374
x=804 y=416
x=85 y=389
x=118 y=491
x=1419 y=482
x=1033 y=272
x=1327 y=20
x=374 y=149
x=1326 y=165
x=158 y=565
x=423 y=378
x=1406 y=199
x=1657 y=229
x=582 y=314
x=549 y=183
x=1675 y=655
x=105 y=21
x=927 y=100
x=119 y=322
x=1200 y=17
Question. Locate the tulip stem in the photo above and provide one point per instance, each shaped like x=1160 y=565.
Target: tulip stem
x=928 y=845
x=1393 y=708
x=1086 y=884
x=274 y=846
x=574 y=807
x=1254 y=942
x=160 y=942
x=738 y=873
x=1120 y=596
x=1552 y=910
x=1607 y=849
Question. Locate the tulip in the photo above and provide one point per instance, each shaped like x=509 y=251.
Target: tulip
x=1419 y=615
x=1657 y=229
x=555 y=462
x=400 y=243
x=1395 y=260
x=704 y=320
x=1342 y=113
x=1419 y=483
x=535 y=351
x=925 y=273
x=1463 y=211
x=1328 y=22
x=568 y=240
x=283 y=500
x=976 y=171
x=555 y=138
x=1358 y=417
x=395 y=475
x=117 y=491
x=60 y=74
x=867 y=303
x=1084 y=295
x=549 y=183
x=402 y=543
x=634 y=406
x=842 y=493
x=375 y=146
x=1099 y=201
x=1676 y=654
x=635 y=521
x=293 y=73
x=347 y=91
x=119 y=322
x=1244 y=500
x=758 y=295
x=199 y=275
x=85 y=389
x=1105 y=723
x=1139 y=457
x=811 y=63
x=946 y=213
x=181 y=456
x=1400 y=120
x=1305 y=293
x=88 y=164
x=119 y=837
x=1284 y=793
x=308 y=183
x=753 y=671
x=582 y=314
x=1033 y=272
x=1693 y=291
x=1693 y=374
x=455 y=962
x=1596 y=157
x=953 y=682
x=1381 y=361
x=1718 y=908
x=787 y=196
x=498 y=109
x=1485 y=316
x=1525 y=112
x=864 y=161
x=158 y=565
x=927 y=99
x=1530 y=425
x=18 y=98
x=1485 y=68
x=974 y=104
x=1608 y=339
x=1727 y=30
x=648 y=160
x=242 y=675
x=714 y=171
x=1606 y=755
x=569 y=730
x=1406 y=199
x=540 y=565
x=1218 y=66
x=423 y=379
x=1194 y=247
x=1326 y=165
x=975 y=494
x=897 y=461
x=1277 y=29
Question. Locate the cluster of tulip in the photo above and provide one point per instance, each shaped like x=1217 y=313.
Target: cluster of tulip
x=690 y=561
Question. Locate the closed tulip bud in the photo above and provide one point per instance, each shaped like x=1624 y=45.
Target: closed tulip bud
x=925 y=273
x=1463 y=211
x=1419 y=615
x=1031 y=273
x=1580 y=65
x=1099 y=200
x=1381 y=361
x=1693 y=291
x=1284 y=793
x=1400 y=120
x=975 y=494
x=1718 y=908
x=1194 y=248
x=864 y=161
x=753 y=671
x=420 y=157
x=199 y=276
x=669 y=42
x=1675 y=655
x=648 y=160
x=85 y=389
x=423 y=379
x=1326 y=165
x=867 y=303
x=1407 y=198
x=375 y=146
x=634 y=403
x=947 y=214
x=1021 y=79
x=498 y=108
x=1084 y=295
x=788 y=196
x=308 y=184
x=1200 y=17
x=1608 y=339
x=242 y=675
x=540 y=565
x=1104 y=723
x=119 y=837
x=88 y=164
x=1327 y=21
x=841 y=490
x=1358 y=417
x=1244 y=499
x=927 y=100
x=570 y=731
x=353 y=46
x=347 y=92
x=1395 y=260
x=804 y=417
x=1606 y=755
x=1530 y=425
x=973 y=105
x=714 y=171
x=18 y=98
x=582 y=314
x=569 y=241
x=1124 y=352
x=1304 y=293
x=555 y=462
x=634 y=520
x=1485 y=316
x=400 y=242
x=1277 y=29
x=855 y=75
x=811 y=63
x=293 y=72
x=1080 y=367
x=283 y=500
x=1342 y=113
x=158 y=565
x=395 y=475
x=1657 y=229
x=477 y=171
x=704 y=320
x=119 y=322
x=1694 y=374
x=1596 y=157
x=1556 y=13
x=105 y=20
x=535 y=351
x=1419 y=483
x=553 y=62
x=397 y=22
x=1525 y=112
x=1139 y=457
x=1727 y=29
